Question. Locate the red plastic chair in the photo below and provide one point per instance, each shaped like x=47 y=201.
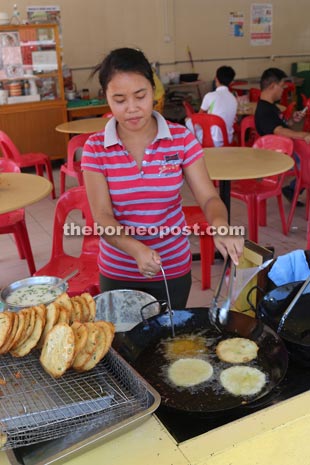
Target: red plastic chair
x=194 y=215
x=14 y=222
x=206 y=121
x=302 y=149
x=256 y=192
x=25 y=160
x=237 y=133
x=248 y=133
x=189 y=109
x=288 y=94
x=72 y=167
x=254 y=94
x=306 y=103
x=233 y=87
x=288 y=112
x=61 y=263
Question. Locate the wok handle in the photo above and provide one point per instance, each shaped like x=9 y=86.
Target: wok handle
x=248 y=297
x=163 y=308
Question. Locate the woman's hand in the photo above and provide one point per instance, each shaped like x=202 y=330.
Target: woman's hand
x=230 y=245
x=148 y=261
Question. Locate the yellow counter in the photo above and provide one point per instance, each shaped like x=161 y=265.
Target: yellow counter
x=279 y=434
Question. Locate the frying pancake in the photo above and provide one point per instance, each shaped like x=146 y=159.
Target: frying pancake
x=185 y=346
x=187 y=372
x=237 y=350
x=243 y=380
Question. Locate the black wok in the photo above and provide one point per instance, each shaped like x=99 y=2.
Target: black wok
x=296 y=331
x=138 y=347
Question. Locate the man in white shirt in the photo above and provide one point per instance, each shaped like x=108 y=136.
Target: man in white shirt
x=220 y=102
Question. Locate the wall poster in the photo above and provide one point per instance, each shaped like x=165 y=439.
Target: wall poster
x=45 y=14
x=261 y=24
x=236 y=23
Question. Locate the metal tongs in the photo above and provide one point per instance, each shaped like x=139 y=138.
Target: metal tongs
x=292 y=304
x=218 y=316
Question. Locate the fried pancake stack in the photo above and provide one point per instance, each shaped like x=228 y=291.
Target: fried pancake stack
x=65 y=330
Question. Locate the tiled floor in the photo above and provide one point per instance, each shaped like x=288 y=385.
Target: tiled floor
x=39 y=218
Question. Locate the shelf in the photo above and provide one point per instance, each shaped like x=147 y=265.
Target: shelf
x=24 y=99
x=38 y=42
x=30 y=120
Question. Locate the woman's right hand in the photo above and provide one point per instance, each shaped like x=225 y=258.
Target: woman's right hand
x=148 y=261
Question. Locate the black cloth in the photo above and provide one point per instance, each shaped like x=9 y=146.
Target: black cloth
x=267 y=118
x=179 y=288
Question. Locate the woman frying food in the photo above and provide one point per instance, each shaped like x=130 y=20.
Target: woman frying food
x=133 y=173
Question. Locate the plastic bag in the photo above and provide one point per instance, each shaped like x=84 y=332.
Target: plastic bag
x=243 y=277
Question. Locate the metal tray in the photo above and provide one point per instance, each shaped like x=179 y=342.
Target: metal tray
x=80 y=408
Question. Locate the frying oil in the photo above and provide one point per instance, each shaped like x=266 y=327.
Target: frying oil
x=157 y=359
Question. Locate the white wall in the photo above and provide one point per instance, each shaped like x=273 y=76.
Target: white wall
x=164 y=28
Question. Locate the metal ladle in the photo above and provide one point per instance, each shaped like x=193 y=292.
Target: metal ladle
x=168 y=301
x=63 y=280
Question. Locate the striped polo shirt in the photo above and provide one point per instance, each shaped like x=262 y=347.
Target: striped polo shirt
x=147 y=201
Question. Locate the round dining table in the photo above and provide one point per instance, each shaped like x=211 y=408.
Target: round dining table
x=17 y=190
x=83 y=126
x=248 y=108
x=226 y=164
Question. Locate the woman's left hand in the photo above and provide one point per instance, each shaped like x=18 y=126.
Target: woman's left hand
x=230 y=245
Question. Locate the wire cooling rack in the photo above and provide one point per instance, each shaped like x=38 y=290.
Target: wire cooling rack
x=35 y=407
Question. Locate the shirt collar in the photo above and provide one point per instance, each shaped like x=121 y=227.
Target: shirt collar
x=111 y=136
x=221 y=88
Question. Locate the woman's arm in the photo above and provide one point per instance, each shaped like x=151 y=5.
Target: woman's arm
x=148 y=260
x=213 y=207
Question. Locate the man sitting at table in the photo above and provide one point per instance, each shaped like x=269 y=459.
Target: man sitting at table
x=220 y=102
x=268 y=118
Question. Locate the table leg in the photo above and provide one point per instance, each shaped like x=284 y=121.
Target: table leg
x=225 y=195
x=253 y=225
